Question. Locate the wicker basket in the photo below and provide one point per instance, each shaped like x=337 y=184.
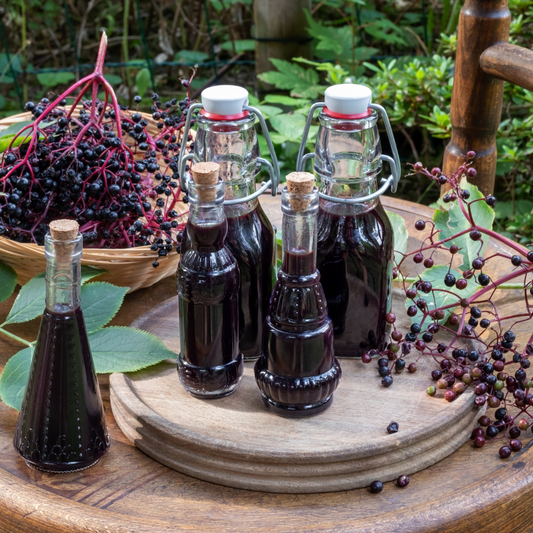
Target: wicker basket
x=126 y=267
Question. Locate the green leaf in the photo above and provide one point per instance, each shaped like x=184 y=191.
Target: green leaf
x=286 y=100
x=450 y=220
x=89 y=272
x=290 y=126
x=242 y=45
x=439 y=298
x=400 y=235
x=113 y=79
x=30 y=301
x=120 y=349
x=100 y=302
x=2 y=102
x=53 y=79
x=291 y=76
x=142 y=81
x=8 y=281
x=14 y=378
x=191 y=56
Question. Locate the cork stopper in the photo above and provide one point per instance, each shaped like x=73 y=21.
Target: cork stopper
x=300 y=183
x=205 y=175
x=64 y=230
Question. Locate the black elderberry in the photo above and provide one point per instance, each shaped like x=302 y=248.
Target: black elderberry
x=525 y=363
x=483 y=280
x=387 y=381
x=376 y=487
x=520 y=374
x=473 y=355
x=399 y=365
x=383 y=371
x=473 y=322
x=516 y=260
x=485 y=323
x=393 y=427
x=415 y=328
x=449 y=280
x=492 y=432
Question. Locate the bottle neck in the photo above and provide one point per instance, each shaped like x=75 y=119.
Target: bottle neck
x=207 y=224
x=63 y=274
x=299 y=233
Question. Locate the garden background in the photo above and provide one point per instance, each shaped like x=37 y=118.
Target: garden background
x=404 y=50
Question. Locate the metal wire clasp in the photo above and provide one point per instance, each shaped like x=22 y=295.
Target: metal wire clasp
x=394 y=162
x=273 y=168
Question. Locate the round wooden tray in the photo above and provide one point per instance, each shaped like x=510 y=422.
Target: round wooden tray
x=127 y=492
x=235 y=441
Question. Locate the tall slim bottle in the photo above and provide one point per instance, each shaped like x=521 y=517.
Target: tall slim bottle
x=61 y=426
x=226 y=135
x=298 y=372
x=210 y=364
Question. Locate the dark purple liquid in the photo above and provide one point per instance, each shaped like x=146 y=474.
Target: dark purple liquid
x=210 y=364
x=61 y=426
x=298 y=372
x=250 y=239
x=354 y=256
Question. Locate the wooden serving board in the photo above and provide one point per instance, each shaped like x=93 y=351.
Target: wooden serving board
x=235 y=441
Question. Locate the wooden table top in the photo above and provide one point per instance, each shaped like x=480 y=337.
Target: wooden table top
x=472 y=490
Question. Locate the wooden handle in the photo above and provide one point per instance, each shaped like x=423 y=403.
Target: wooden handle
x=509 y=62
x=477 y=96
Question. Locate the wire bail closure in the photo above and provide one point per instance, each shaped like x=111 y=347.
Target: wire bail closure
x=273 y=169
x=394 y=162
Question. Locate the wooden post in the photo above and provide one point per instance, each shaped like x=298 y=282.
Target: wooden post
x=477 y=97
x=280 y=32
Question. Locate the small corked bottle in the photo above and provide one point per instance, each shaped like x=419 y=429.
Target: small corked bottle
x=210 y=364
x=61 y=426
x=298 y=373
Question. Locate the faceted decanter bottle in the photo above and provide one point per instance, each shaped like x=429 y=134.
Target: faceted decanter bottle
x=210 y=364
x=61 y=426
x=355 y=240
x=226 y=135
x=298 y=372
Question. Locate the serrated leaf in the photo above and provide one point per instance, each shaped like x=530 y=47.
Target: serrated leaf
x=89 y=272
x=286 y=100
x=8 y=281
x=121 y=349
x=291 y=76
x=100 y=302
x=400 y=235
x=439 y=298
x=290 y=126
x=14 y=378
x=30 y=301
x=450 y=220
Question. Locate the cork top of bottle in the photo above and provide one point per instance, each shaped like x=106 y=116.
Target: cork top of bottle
x=64 y=230
x=205 y=175
x=300 y=184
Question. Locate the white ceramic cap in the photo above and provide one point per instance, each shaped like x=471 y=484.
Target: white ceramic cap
x=348 y=98
x=224 y=99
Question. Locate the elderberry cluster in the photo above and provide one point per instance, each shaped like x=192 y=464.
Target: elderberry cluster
x=100 y=164
x=457 y=320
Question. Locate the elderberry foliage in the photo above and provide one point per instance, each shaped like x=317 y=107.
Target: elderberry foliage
x=104 y=165
x=458 y=315
x=114 y=349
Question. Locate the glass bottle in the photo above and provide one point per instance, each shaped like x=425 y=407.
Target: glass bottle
x=298 y=372
x=355 y=238
x=226 y=135
x=61 y=426
x=210 y=364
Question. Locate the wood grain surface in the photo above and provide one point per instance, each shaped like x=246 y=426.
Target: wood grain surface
x=471 y=490
x=236 y=442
